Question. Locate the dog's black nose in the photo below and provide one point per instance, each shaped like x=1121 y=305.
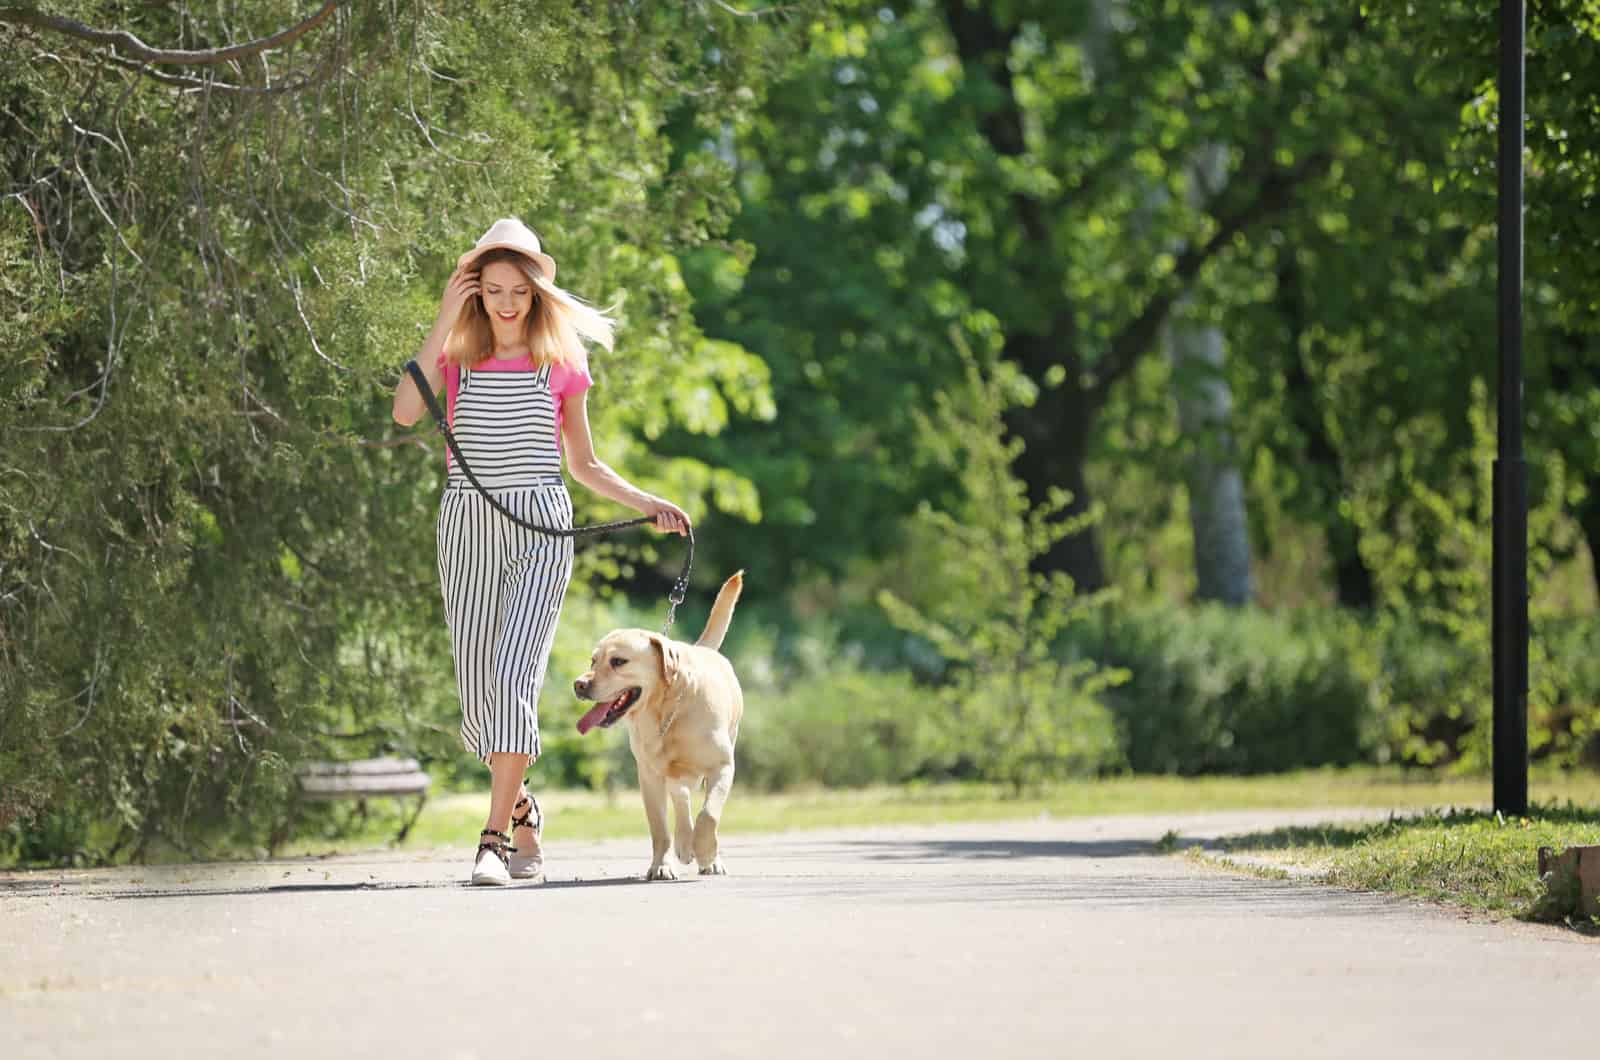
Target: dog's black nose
x=580 y=687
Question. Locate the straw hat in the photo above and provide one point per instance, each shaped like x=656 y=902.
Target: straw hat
x=511 y=234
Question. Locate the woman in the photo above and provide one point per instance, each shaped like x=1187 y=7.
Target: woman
x=507 y=347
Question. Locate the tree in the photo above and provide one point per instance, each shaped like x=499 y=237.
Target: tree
x=1384 y=310
x=1459 y=43
x=966 y=163
x=213 y=553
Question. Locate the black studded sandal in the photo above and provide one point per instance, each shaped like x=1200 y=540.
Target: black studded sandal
x=527 y=864
x=492 y=865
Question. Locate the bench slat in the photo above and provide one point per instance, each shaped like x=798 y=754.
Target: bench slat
x=365 y=767
x=342 y=787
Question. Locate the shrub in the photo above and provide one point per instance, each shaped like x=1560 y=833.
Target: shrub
x=847 y=727
x=1010 y=709
x=1427 y=537
x=1436 y=701
x=1571 y=677
x=1214 y=690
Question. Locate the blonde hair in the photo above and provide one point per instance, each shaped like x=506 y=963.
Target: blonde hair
x=554 y=330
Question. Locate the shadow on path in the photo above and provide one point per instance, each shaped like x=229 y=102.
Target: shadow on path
x=1198 y=893
x=925 y=850
x=257 y=890
x=1091 y=873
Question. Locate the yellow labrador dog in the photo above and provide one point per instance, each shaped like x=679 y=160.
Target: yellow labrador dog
x=682 y=704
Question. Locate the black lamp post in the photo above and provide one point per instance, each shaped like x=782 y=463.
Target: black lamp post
x=1510 y=471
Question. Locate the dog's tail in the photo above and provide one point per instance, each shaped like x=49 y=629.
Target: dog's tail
x=722 y=612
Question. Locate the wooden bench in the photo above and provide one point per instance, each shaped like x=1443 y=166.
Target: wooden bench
x=359 y=781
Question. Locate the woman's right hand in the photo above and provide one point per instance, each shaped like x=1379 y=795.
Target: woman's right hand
x=462 y=286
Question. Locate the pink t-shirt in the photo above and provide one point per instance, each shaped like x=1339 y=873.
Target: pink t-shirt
x=565 y=380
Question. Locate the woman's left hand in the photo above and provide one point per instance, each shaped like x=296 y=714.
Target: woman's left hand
x=666 y=516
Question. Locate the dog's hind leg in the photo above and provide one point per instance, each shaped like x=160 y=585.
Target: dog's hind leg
x=653 y=787
x=705 y=826
x=682 y=821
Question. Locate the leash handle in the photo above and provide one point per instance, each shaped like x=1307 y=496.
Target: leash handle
x=680 y=588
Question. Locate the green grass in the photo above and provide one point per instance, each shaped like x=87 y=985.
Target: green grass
x=1468 y=858
x=453 y=820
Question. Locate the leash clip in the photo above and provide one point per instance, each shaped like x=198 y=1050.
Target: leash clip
x=674 y=598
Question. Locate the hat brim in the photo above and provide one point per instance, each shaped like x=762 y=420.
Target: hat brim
x=546 y=263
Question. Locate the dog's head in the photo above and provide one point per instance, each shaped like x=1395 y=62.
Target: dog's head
x=628 y=665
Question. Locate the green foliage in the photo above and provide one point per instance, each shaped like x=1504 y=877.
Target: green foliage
x=1219 y=690
x=841 y=726
x=1014 y=711
x=1370 y=314
x=1434 y=704
x=1435 y=617
x=1214 y=690
x=216 y=552
x=216 y=555
x=1569 y=690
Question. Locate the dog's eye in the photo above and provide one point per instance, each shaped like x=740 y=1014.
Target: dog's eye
x=618 y=663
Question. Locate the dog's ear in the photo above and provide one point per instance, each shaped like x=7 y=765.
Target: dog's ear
x=667 y=656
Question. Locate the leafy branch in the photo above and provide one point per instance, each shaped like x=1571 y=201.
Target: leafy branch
x=132 y=47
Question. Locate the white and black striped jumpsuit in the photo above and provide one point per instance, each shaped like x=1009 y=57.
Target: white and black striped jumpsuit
x=503 y=585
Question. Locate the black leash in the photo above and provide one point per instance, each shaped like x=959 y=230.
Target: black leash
x=679 y=587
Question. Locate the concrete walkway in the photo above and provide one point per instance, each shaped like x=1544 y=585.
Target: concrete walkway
x=1050 y=938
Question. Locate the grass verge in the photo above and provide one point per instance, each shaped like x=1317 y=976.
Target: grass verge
x=452 y=820
x=1469 y=858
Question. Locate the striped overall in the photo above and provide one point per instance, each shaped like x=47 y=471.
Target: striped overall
x=503 y=585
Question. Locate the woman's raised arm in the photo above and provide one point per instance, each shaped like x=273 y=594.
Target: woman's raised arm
x=408 y=403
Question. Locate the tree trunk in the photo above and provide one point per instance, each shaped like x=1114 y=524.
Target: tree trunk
x=1588 y=514
x=1056 y=431
x=1216 y=487
x=1205 y=406
x=1352 y=580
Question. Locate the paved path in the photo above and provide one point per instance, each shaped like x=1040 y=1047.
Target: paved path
x=1049 y=938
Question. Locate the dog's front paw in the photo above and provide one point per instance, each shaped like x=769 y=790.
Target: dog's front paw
x=662 y=871
x=713 y=869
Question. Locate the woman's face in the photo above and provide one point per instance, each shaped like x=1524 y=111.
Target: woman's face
x=507 y=295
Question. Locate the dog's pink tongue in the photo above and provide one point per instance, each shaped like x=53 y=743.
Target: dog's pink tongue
x=591 y=719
